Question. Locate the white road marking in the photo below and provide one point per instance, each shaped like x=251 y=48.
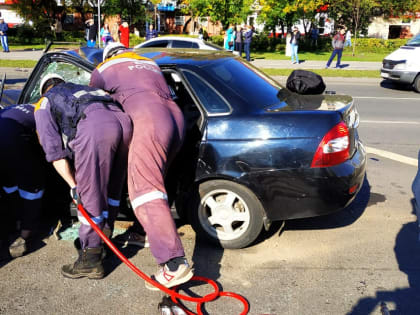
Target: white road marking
x=388 y=98
x=392 y=156
x=390 y=122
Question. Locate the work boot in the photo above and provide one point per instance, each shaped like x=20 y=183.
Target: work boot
x=89 y=264
x=18 y=247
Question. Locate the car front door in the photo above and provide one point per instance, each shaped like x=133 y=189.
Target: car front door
x=71 y=68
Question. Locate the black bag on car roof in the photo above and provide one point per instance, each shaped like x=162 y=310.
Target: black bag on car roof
x=305 y=82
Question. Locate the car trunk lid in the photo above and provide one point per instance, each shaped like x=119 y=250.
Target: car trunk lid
x=329 y=102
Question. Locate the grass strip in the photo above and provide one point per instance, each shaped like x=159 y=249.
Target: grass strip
x=327 y=72
x=17 y=63
x=322 y=56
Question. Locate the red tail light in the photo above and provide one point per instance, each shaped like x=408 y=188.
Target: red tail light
x=334 y=147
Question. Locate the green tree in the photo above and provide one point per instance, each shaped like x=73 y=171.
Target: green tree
x=40 y=12
x=195 y=8
x=80 y=6
x=391 y=7
x=354 y=14
x=304 y=10
x=229 y=11
x=132 y=10
x=272 y=14
x=287 y=12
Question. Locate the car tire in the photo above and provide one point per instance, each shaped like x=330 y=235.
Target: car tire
x=226 y=213
x=416 y=84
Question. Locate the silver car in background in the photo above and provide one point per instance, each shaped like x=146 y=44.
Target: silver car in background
x=178 y=42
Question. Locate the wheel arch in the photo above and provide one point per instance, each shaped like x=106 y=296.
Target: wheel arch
x=237 y=180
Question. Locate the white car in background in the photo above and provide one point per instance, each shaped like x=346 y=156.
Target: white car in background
x=178 y=42
x=403 y=65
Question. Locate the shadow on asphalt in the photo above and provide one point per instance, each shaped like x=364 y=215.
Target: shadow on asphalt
x=15 y=81
x=404 y=300
x=112 y=261
x=391 y=85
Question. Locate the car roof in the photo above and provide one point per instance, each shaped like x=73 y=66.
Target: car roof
x=162 y=56
x=202 y=43
x=184 y=38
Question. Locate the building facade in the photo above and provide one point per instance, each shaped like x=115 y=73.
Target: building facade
x=395 y=27
x=10 y=17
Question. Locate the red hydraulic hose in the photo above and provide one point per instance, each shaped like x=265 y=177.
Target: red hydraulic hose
x=173 y=293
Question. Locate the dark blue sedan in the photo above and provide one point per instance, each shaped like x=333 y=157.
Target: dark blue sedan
x=254 y=152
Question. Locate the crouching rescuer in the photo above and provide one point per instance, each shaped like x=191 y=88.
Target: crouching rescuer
x=86 y=136
x=22 y=176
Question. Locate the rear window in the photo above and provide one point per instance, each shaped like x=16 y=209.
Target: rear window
x=182 y=44
x=210 y=99
x=252 y=85
x=157 y=43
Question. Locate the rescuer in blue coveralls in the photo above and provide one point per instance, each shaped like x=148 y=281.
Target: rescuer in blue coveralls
x=22 y=176
x=86 y=136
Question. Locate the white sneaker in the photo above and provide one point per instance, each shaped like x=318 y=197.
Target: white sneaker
x=169 y=278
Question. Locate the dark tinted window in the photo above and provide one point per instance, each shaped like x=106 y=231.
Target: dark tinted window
x=212 y=101
x=182 y=44
x=195 y=45
x=158 y=43
x=252 y=85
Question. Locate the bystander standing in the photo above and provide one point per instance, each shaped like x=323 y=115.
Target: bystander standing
x=314 y=36
x=348 y=39
x=105 y=34
x=288 y=51
x=230 y=38
x=58 y=29
x=3 y=35
x=151 y=32
x=92 y=30
x=247 y=42
x=294 y=44
x=338 y=44
x=239 y=40
x=124 y=32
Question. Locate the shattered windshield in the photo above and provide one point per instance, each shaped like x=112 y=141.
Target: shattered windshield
x=70 y=73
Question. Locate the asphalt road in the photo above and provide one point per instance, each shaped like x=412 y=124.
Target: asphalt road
x=345 y=263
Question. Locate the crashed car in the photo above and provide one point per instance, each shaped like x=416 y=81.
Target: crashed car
x=254 y=151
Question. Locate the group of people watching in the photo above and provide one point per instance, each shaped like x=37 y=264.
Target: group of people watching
x=119 y=33
x=123 y=125
x=340 y=40
x=238 y=38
